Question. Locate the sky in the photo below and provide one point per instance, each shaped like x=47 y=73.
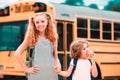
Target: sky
x=100 y=3
x=3 y=3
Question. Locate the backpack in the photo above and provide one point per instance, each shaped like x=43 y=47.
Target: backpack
x=70 y=76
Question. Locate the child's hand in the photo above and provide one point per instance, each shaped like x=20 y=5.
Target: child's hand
x=91 y=54
x=57 y=68
x=92 y=57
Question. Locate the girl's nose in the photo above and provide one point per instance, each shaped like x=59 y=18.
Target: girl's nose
x=87 y=49
x=39 y=24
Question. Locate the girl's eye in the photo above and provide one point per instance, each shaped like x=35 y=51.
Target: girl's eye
x=84 y=48
x=36 y=22
x=42 y=21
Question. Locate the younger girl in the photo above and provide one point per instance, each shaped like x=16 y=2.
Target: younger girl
x=80 y=50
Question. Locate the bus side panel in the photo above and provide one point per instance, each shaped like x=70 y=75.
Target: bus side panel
x=107 y=57
x=9 y=65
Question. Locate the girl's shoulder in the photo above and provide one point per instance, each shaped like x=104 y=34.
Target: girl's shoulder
x=71 y=62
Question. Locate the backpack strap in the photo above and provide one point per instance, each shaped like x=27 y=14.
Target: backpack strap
x=74 y=67
x=75 y=63
x=90 y=61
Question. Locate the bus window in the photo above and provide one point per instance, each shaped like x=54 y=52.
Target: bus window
x=82 y=27
x=106 y=30
x=11 y=35
x=116 y=31
x=69 y=35
x=95 y=29
x=60 y=34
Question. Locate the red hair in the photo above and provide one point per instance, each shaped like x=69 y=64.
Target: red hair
x=32 y=33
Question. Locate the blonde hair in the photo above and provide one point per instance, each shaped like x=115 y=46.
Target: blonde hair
x=76 y=47
x=32 y=33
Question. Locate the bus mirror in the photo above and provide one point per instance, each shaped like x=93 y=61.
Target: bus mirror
x=1 y=12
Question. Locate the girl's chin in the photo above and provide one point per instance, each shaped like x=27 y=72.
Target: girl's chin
x=83 y=57
x=41 y=30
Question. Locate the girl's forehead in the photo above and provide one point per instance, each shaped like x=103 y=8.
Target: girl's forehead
x=85 y=44
x=40 y=17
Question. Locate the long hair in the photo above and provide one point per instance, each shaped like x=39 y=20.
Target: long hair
x=76 y=48
x=32 y=33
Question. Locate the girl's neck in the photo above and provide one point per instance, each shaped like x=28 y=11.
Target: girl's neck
x=42 y=34
x=83 y=58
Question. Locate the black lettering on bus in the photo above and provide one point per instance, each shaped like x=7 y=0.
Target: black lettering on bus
x=26 y=8
x=17 y=9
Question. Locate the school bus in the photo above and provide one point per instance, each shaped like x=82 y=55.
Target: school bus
x=100 y=28
x=13 y=24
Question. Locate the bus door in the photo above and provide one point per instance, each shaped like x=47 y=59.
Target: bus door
x=65 y=33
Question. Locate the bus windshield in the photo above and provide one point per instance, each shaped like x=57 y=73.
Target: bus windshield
x=11 y=35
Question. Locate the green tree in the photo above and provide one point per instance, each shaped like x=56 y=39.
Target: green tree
x=74 y=2
x=93 y=6
x=113 y=5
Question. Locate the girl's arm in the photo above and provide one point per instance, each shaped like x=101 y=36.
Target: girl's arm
x=94 y=69
x=19 y=52
x=67 y=72
x=57 y=62
x=18 y=55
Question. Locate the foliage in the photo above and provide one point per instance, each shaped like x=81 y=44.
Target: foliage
x=113 y=5
x=93 y=6
x=74 y=2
